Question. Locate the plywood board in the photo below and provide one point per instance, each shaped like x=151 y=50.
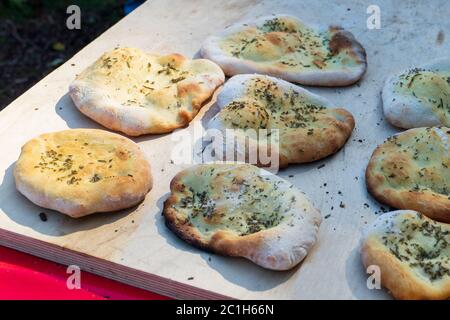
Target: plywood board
x=134 y=246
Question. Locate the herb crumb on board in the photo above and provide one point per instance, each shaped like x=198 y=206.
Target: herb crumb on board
x=43 y=216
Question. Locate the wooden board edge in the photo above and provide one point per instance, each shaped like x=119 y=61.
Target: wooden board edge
x=107 y=269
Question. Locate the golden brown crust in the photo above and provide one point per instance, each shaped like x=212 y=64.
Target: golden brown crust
x=83 y=171
x=303 y=147
x=417 y=97
x=278 y=247
x=283 y=46
x=221 y=242
x=397 y=178
x=342 y=40
x=130 y=91
x=179 y=226
x=307 y=126
x=397 y=275
x=400 y=282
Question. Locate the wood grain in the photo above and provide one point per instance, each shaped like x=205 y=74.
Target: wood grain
x=134 y=246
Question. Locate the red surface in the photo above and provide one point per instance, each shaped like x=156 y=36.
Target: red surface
x=23 y=276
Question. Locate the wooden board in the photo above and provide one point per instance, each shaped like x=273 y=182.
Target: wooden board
x=134 y=246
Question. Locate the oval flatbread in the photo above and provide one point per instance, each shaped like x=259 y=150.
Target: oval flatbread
x=82 y=171
x=419 y=97
x=411 y=170
x=308 y=126
x=241 y=210
x=412 y=253
x=285 y=47
x=136 y=93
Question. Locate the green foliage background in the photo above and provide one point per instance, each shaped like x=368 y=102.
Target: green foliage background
x=34 y=38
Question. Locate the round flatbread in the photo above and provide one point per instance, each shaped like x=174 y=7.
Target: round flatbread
x=241 y=210
x=82 y=171
x=411 y=170
x=419 y=97
x=307 y=126
x=412 y=253
x=285 y=47
x=136 y=93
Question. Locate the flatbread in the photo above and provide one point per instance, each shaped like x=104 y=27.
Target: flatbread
x=308 y=127
x=243 y=211
x=136 y=93
x=285 y=47
x=411 y=170
x=419 y=97
x=82 y=171
x=412 y=252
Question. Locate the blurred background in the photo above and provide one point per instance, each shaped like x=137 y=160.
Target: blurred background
x=34 y=39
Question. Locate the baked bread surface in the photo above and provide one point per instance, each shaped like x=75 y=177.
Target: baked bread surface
x=419 y=97
x=411 y=170
x=285 y=47
x=136 y=93
x=82 y=171
x=412 y=252
x=241 y=210
x=307 y=127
